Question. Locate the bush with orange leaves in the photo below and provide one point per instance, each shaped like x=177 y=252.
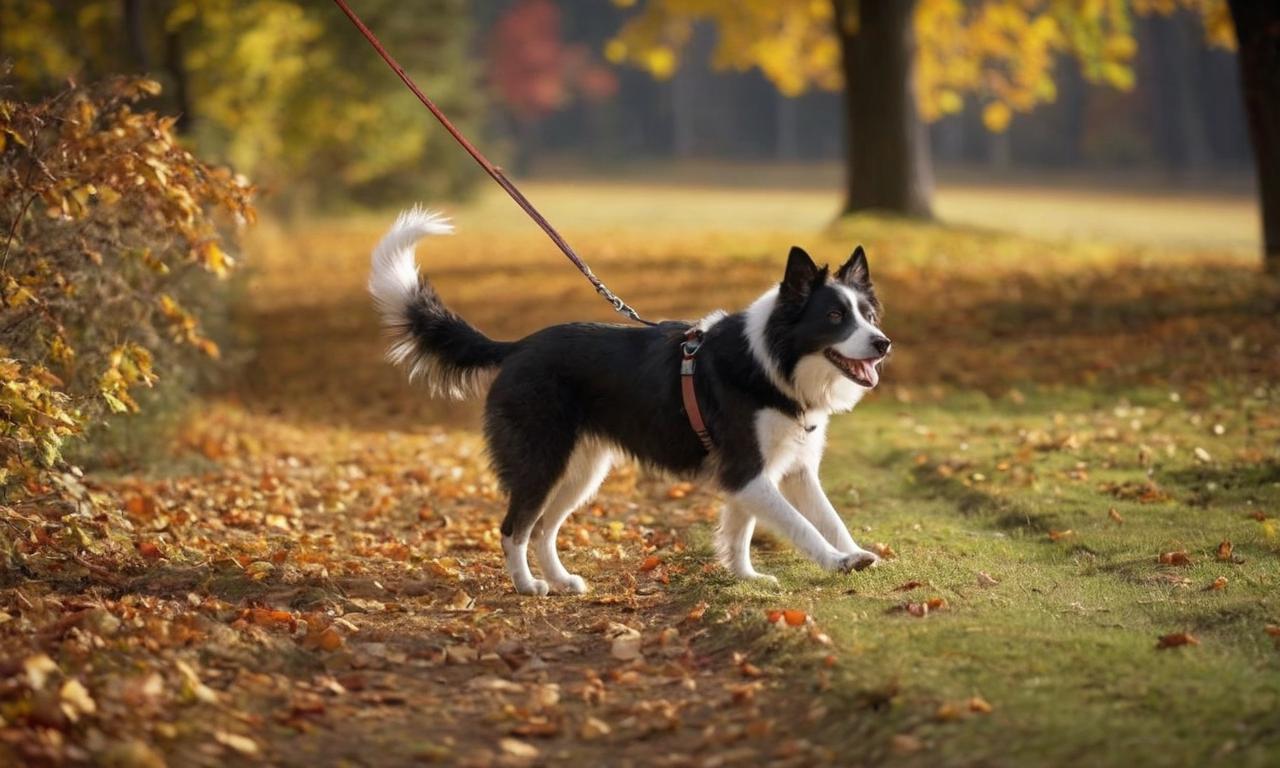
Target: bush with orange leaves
x=106 y=223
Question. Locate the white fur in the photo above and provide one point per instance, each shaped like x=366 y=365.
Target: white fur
x=757 y=320
x=586 y=470
x=394 y=285
x=788 y=497
x=710 y=319
x=393 y=281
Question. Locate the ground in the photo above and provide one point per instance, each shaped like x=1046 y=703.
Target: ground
x=1073 y=462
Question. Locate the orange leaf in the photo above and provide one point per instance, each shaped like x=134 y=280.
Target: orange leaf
x=1225 y=550
x=1059 y=535
x=1218 y=583
x=1179 y=557
x=910 y=585
x=795 y=618
x=979 y=705
x=149 y=550
x=650 y=562
x=1114 y=515
x=1177 y=639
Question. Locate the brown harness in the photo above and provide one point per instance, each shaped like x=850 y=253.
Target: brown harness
x=692 y=341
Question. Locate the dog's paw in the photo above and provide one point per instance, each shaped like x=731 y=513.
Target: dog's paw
x=533 y=587
x=764 y=578
x=856 y=561
x=756 y=576
x=573 y=585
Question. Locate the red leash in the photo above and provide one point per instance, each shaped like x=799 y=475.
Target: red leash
x=494 y=172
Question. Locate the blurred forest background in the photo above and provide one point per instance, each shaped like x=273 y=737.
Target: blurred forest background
x=289 y=95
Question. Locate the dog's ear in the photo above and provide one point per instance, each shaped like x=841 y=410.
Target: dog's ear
x=801 y=274
x=855 y=272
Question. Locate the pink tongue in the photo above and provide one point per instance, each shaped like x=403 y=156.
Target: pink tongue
x=868 y=370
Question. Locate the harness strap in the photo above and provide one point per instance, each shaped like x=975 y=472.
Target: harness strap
x=692 y=341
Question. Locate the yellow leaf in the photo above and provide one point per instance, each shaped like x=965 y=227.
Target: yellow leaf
x=996 y=116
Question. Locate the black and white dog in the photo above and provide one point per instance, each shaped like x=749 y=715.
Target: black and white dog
x=566 y=402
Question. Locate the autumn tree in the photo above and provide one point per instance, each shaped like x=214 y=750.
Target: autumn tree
x=902 y=63
x=533 y=71
x=282 y=90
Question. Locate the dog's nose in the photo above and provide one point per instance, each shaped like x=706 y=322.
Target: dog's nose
x=881 y=345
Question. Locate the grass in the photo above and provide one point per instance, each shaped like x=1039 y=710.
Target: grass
x=1064 y=646
x=1039 y=383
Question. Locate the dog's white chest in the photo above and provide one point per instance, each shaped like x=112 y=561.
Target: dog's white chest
x=786 y=441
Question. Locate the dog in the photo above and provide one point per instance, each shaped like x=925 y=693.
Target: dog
x=566 y=402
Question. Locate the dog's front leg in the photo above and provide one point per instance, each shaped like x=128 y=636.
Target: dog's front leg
x=802 y=488
x=762 y=500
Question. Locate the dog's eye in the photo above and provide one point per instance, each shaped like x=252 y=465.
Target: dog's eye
x=835 y=316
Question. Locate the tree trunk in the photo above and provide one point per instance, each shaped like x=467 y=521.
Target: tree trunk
x=133 y=32
x=886 y=146
x=176 y=65
x=1257 y=24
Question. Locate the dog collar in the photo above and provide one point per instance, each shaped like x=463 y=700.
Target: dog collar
x=692 y=341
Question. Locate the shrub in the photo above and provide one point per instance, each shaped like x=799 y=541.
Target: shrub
x=105 y=221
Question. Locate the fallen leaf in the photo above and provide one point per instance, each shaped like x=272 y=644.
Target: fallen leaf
x=1060 y=535
x=460 y=601
x=1218 y=584
x=979 y=705
x=1202 y=455
x=883 y=550
x=650 y=562
x=910 y=585
x=985 y=580
x=1115 y=516
x=593 y=728
x=517 y=748
x=794 y=618
x=242 y=744
x=905 y=744
x=1273 y=630
x=1225 y=550
x=76 y=700
x=697 y=612
x=150 y=550
x=1177 y=639
x=1179 y=557
x=38 y=669
x=626 y=646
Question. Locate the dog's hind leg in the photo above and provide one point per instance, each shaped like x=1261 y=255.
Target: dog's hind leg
x=733 y=543
x=587 y=468
x=530 y=472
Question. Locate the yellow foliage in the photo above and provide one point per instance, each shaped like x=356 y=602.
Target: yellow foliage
x=1003 y=52
x=84 y=270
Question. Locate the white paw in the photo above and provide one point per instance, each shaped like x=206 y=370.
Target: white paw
x=533 y=587
x=854 y=561
x=571 y=585
x=754 y=575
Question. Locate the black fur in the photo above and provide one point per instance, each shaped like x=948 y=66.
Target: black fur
x=621 y=384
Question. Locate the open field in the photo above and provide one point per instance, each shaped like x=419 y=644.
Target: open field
x=318 y=578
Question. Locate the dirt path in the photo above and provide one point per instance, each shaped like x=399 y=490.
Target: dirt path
x=318 y=580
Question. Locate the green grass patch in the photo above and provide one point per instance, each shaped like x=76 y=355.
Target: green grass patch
x=1063 y=647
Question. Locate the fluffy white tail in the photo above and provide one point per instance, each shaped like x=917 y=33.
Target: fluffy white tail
x=393 y=281
x=425 y=337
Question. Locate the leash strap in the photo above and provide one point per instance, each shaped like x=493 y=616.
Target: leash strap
x=692 y=341
x=495 y=173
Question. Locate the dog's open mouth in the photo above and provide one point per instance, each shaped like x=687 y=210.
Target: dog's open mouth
x=860 y=372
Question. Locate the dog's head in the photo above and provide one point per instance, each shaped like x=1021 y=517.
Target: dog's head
x=823 y=332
